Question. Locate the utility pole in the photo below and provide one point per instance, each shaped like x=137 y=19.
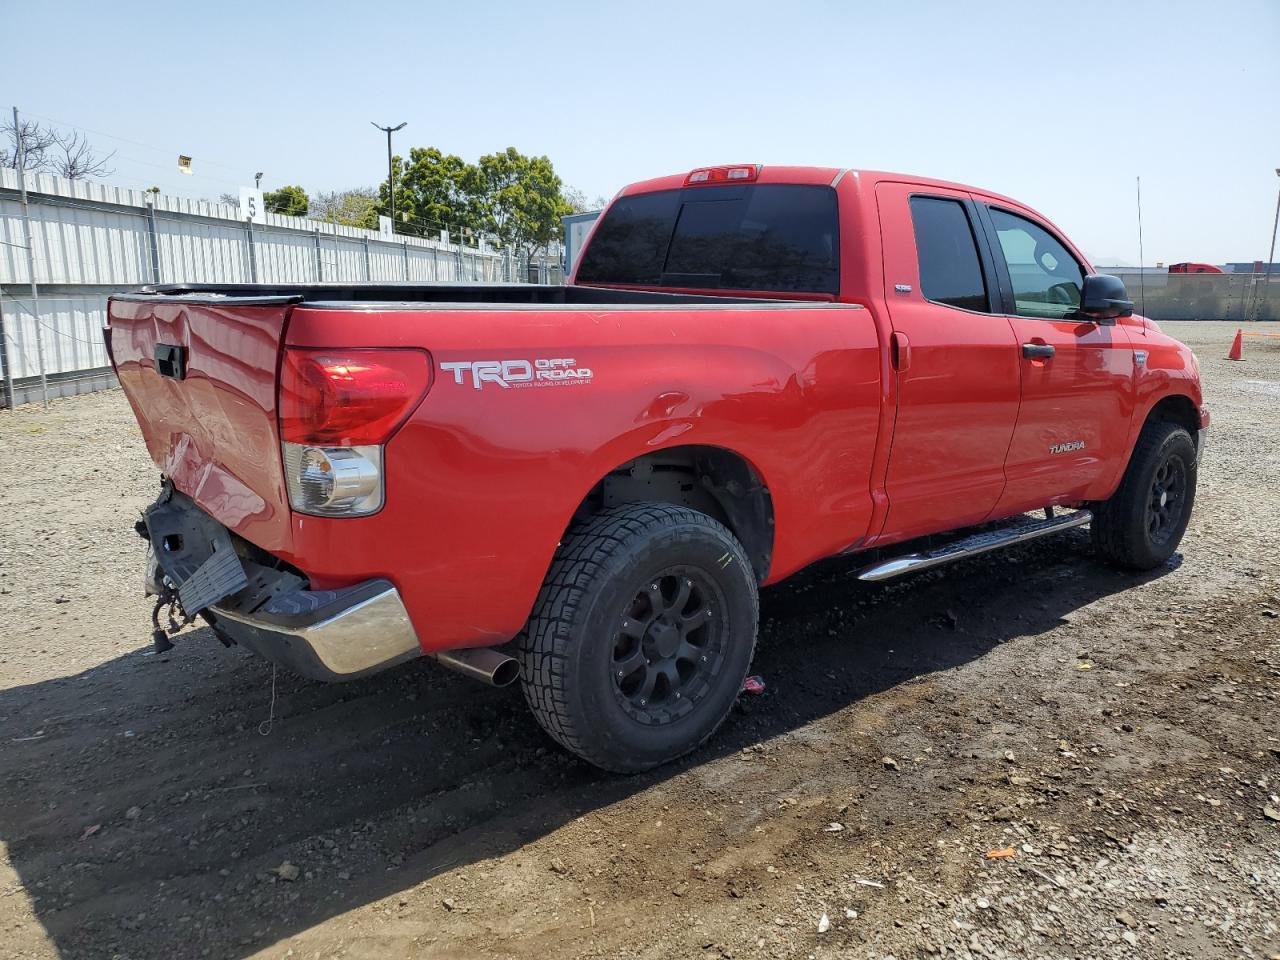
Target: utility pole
x=391 y=173
x=1266 y=289
x=21 y=150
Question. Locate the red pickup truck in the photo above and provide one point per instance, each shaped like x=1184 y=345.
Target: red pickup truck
x=583 y=487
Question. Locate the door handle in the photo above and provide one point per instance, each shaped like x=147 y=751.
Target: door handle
x=1038 y=351
x=900 y=351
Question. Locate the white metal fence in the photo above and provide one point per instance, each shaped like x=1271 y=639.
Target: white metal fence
x=90 y=240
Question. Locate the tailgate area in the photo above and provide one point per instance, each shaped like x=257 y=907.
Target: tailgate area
x=200 y=374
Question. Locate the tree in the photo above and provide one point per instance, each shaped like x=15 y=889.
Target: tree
x=520 y=199
x=36 y=142
x=75 y=158
x=350 y=208
x=287 y=201
x=46 y=150
x=434 y=191
x=577 y=200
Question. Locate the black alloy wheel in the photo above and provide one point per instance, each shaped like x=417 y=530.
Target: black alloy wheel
x=669 y=646
x=1167 y=500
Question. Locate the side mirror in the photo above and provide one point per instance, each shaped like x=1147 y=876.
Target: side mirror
x=1104 y=299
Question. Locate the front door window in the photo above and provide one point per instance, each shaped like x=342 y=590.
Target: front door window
x=1046 y=279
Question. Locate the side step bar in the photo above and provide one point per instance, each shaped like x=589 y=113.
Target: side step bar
x=972 y=546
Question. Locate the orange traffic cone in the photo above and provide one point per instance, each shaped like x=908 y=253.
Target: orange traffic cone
x=1235 y=347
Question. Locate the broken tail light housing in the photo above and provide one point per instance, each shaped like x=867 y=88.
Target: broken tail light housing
x=338 y=408
x=739 y=173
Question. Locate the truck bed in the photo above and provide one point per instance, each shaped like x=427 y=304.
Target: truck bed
x=418 y=296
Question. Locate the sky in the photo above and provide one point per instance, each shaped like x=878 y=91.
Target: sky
x=1061 y=105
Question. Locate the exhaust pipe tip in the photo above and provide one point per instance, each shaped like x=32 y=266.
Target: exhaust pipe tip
x=506 y=673
x=482 y=663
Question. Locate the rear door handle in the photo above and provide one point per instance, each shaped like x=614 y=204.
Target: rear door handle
x=900 y=351
x=1038 y=351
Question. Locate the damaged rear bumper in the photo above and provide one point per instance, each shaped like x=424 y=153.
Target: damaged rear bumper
x=326 y=634
x=254 y=600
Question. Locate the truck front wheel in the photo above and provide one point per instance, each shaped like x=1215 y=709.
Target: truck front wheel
x=1143 y=523
x=641 y=635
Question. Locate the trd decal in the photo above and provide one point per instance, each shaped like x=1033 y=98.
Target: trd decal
x=1066 y=447
x=547 y=372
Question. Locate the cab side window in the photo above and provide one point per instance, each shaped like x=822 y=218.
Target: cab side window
x=950 y=271
x=1046 y=278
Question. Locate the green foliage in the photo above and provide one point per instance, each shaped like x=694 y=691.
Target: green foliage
x=287 y=201
x=518 y=198
x=350 y=208
x=434 y=192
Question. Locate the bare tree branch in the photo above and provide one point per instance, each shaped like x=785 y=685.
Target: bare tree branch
x=77 y=159
x=36 y=144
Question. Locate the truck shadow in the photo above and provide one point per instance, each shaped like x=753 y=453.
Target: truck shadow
x=150 y=807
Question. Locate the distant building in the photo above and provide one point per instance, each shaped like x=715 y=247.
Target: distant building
x=576 y=228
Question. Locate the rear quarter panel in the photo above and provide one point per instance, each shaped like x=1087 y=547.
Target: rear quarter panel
x=482 y=481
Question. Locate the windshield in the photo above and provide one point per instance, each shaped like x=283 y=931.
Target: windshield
x=770 y=237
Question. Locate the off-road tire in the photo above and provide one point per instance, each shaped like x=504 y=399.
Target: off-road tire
x=1122 y=526
x=603 y=567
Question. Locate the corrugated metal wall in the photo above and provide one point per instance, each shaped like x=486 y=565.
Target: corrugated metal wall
x=1243 y=297
x=91 y=240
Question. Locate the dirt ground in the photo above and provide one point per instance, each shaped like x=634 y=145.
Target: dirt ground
x=1119 y=734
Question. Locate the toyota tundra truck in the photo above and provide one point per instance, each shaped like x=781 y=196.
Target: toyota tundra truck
x=584 y=487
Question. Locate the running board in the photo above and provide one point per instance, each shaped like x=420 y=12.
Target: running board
x=972 y=546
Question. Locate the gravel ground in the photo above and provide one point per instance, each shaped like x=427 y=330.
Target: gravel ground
x=1117 y=735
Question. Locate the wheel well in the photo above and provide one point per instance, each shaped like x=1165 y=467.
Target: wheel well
x=713 y=480
x=1176 y=409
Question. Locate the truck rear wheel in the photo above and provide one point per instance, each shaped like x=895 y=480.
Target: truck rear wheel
x=641 y=636
x=1142 y=524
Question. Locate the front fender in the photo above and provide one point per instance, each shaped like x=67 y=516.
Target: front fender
x=1169 y=370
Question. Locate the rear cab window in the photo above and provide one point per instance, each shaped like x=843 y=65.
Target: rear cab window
x=782 y=238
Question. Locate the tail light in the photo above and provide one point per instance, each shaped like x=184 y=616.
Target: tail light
x=349 y=397
x=337 y=411
x=742 y=173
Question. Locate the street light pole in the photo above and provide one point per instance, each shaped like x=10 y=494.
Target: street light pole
x=391 y=173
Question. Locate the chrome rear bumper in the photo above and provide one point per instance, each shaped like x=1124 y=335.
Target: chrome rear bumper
x=328 y=634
